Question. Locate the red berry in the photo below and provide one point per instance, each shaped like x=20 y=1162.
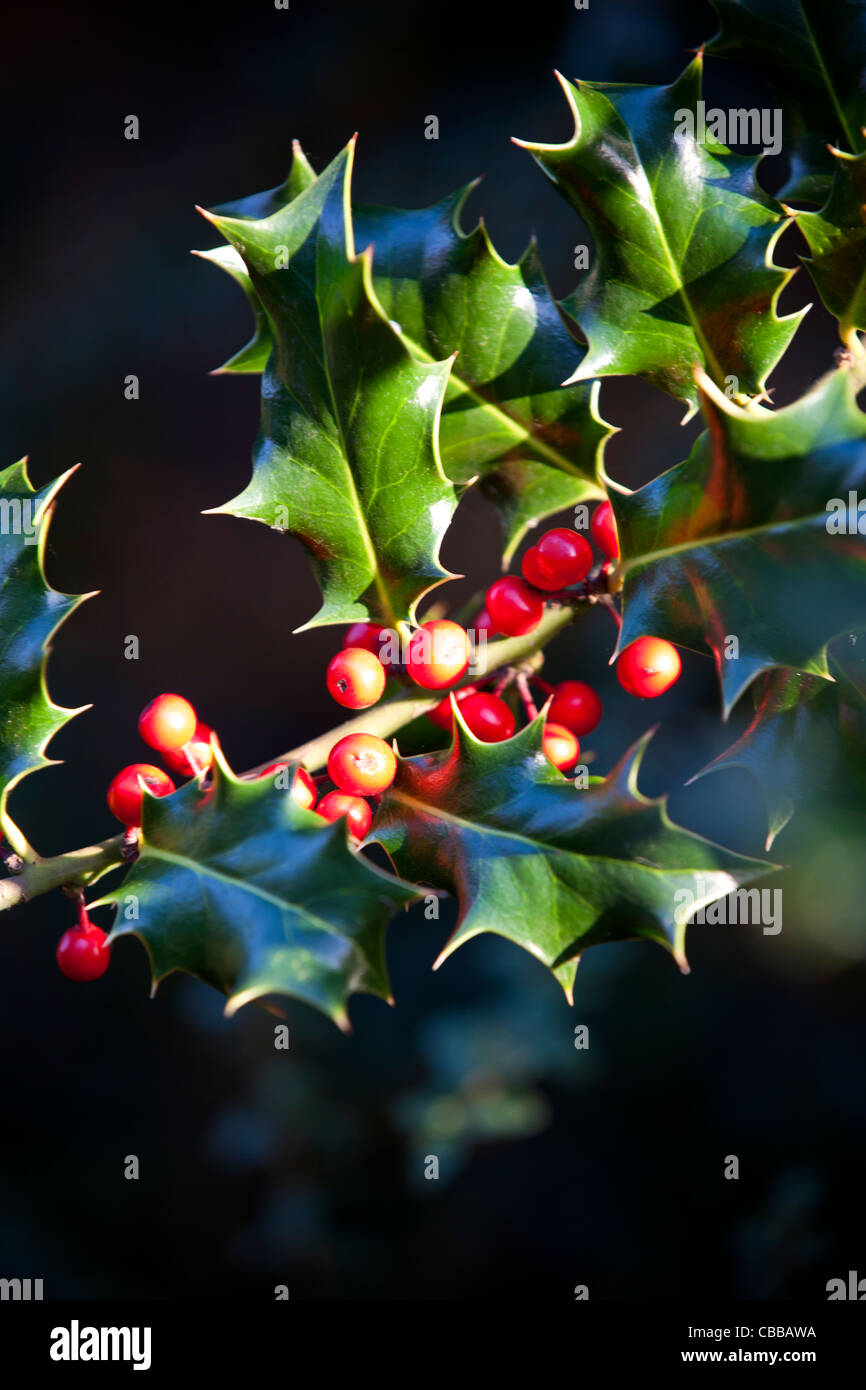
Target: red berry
x=270 y=771
x=564 y=556
x=371 y=637
x=83 y=954
x=483 y=622
x=575 y=705
x=441 y=713
x=354 y=808
x=362 y=764
x=356 y=678
x=533 y=575
x=513 y=606
x=168 y=722
x=439 y=654
x=488 y=717
x=125 y=792
x=304 y=789
x=648 y=667
x=560 y=746
x=303 y=786
x=603 y=529
x=199 y=750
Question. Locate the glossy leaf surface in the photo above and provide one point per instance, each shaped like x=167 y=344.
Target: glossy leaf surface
x=241 y=887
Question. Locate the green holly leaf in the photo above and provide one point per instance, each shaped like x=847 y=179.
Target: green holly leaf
x=813 y=52
x=750 y=547
x=506 y=420
x=837 y=239
x=346 y=458
x=534 y=443
x=254 y=356
x=30 y=614
x=241 y=887
x=554 y=868
x=798 y=746
x=683 y=273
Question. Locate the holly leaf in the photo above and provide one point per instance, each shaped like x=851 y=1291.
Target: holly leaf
x=554 y=868
x=346 y=458
x=30 y=614
x=749 y=547
x=813 y=52
x=837 y=239
x=254 y=356
x=241 y=887
x=682 y=274
x=506 y=420
x=796 y=746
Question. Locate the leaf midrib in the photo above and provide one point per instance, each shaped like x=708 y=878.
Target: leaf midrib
x=709 y=356
x=650 y=556
x=479 y=828
x=825 y=77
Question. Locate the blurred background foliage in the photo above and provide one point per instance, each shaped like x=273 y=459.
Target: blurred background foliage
x=558 y=1165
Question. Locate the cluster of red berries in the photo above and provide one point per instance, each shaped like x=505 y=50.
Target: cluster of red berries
x=439 y=653
x=171 y=726
x=561 y=558
x=362 y=765
x=437 y=657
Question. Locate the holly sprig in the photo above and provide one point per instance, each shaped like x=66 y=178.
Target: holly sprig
x=403 y=364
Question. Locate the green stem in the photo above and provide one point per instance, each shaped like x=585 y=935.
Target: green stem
x=77 y=868
x=81 y=866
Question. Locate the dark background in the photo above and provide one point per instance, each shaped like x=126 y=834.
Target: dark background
x=558 y=1167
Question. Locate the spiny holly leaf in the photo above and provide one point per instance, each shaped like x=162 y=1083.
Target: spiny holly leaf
x=796 y=746
x=346 y=459
x=551 y=867
x=683 y=272
x=506 y=416
x=241 y=887
x=813 y=52
x=254 y=357
x=741 y=541
x=30 y=614
x=837 y=240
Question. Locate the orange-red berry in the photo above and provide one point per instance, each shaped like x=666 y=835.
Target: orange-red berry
x=362 y=764
x=126 y=790
x=648 y=667
x=560 y=746
x=372 y=637
x=355 y=678
x=354 y=808
x=195 y=756
x=439 y=654
x=168 y=722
